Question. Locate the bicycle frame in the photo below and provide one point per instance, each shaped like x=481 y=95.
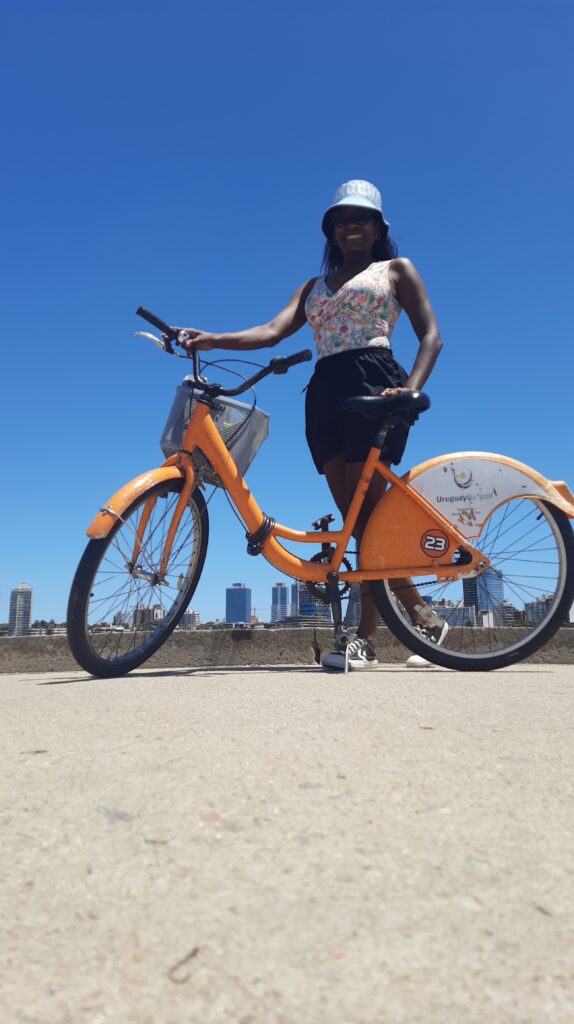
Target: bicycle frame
x=418 y=517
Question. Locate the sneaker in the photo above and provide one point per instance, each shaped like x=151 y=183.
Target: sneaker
x=435 y=632
x=359 y=656
x=415 y=661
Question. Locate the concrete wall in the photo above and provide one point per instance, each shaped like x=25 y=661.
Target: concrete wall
x=233 y=647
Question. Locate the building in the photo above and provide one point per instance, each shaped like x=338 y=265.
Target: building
x=20 y=617
x=512 y=615
x=279 y=602
x=534 y=611
x=456 y=615
x=141 y=616
x=190 y=620
x=306 y=609
x=238 y=603
x=486 y=594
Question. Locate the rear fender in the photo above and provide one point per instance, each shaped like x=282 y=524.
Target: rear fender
x=465 y=488
x=122 y=499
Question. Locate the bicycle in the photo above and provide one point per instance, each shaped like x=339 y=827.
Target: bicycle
x=467 y=527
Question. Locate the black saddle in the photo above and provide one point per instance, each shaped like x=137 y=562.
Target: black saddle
x=376 y=407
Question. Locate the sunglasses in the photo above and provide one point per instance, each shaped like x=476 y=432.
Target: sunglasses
x=340 y=218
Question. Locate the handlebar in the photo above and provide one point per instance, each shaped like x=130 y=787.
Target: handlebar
x=157 y=322
x=279 y=364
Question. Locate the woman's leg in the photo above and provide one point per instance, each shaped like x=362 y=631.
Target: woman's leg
x=367 y=628
x=342 y=478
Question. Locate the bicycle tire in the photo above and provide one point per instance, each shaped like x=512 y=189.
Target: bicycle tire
x=543 y=531
x=119 y=614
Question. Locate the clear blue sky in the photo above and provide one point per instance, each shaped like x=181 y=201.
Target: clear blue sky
x=181 y=155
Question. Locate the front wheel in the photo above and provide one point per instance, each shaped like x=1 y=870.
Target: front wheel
x=506 y=613
x=122 y=606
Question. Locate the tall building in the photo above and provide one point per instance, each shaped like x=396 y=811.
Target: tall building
x=279 y=602
x=485 y=593
x=20 y=618
x=238 y=603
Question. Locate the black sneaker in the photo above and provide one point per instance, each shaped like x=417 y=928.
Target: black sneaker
x=358 y=656
x=435 y=633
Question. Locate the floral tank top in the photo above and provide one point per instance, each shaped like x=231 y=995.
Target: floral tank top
x=361 y=314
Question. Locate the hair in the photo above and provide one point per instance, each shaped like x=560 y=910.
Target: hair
x=383 y=249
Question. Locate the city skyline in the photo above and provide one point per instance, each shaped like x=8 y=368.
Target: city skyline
x=483 y=603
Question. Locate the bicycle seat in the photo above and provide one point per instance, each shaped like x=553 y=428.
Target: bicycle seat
x=377 y=407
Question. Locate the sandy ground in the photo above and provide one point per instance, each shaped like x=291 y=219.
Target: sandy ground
x=284 y=846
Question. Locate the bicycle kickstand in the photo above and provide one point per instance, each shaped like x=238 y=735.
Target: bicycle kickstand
x=341 y=631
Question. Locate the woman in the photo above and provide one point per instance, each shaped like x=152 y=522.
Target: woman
x=352 y=310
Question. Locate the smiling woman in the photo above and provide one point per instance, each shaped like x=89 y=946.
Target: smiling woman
x=352 y=309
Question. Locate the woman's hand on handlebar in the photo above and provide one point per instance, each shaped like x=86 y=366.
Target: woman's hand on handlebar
x=203 y=341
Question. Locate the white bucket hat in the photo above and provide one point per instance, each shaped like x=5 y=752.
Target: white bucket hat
x=356 y=193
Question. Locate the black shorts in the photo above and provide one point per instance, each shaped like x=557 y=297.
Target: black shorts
x=329 y=430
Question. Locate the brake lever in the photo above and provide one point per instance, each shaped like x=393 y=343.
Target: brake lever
x=164 y=345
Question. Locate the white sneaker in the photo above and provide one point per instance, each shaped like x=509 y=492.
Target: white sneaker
x=359 y=656
x=415 y=661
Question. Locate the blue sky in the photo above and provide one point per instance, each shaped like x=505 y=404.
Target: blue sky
x=181 y=155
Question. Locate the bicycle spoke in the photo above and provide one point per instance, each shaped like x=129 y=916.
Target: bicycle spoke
x=502 y=607
x=130 y=604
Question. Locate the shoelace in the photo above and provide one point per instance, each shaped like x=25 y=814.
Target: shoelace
x=355 y=645
x=352 y=648
x=427 y=632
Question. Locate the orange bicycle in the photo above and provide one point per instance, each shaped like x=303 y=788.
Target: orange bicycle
x=486 y=538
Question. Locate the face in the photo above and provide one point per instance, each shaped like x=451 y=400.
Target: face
x=353 y=228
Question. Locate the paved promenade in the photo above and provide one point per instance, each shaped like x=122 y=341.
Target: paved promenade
x=282 y=846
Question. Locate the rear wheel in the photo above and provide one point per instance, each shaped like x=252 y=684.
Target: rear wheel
x=120 y=611
x=506 y=613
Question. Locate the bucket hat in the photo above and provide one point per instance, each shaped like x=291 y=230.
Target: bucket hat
x=356 y=193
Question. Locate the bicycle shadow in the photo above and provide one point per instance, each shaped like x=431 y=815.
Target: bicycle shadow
x=202 y=671
x=221 y=671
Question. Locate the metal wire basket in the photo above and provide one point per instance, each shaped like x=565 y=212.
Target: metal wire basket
x=242 y=428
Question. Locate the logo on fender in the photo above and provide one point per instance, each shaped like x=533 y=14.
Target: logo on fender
x=435 y=542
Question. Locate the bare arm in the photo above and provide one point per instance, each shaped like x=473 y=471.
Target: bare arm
x=412 y=295
x=287 y=322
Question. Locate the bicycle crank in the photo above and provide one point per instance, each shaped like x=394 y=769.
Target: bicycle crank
x=319 y=590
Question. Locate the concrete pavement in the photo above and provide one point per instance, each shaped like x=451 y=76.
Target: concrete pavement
x=281 y=845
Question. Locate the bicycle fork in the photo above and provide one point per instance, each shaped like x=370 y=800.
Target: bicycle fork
x=189 y=484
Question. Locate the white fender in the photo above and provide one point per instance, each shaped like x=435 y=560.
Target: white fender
x=466 y=487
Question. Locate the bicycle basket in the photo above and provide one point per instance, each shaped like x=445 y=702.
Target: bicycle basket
x=242 y=428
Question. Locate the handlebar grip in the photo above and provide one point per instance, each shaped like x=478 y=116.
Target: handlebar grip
x=155 y=320
x=280 y=364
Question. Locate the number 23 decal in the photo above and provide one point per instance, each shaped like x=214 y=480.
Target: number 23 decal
x=434 y=542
